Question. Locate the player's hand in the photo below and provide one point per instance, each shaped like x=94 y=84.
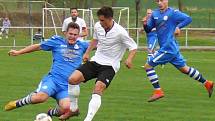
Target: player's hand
x=177 y=31
x=13 y=53
x=86 y=57
x=128 y=63
x=145 y=20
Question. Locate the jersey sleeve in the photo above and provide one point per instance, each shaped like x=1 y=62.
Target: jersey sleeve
x=182 y=19
x=150 y=24
x=50 y=44
x=127 y=40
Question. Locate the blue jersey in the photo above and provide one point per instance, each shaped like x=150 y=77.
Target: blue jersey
x=165 y=24
x=66 y=57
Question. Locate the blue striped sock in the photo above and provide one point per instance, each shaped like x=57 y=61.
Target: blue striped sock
x=24 y=101
x=193 y=73
x=153 y=77
x=54 y=112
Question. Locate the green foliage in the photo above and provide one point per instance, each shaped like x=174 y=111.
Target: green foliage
x=202 y=11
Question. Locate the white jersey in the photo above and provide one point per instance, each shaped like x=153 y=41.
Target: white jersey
x=79 y=21
x=6 y=23
x=111 y=45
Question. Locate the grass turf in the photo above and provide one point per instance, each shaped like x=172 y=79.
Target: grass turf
x=125 y=99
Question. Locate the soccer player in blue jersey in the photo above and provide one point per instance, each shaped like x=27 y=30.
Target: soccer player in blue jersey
x=168 y=21
x=151 y=37
x=67 y=56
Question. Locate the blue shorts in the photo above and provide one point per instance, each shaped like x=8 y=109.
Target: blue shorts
x=160 y=58
x=48 y=86
x=151 y=42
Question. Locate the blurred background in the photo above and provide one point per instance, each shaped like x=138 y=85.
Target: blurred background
x=27 y=16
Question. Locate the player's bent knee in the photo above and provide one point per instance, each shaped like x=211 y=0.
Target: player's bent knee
x=147 y=66
x=184 y=69
x=99 y=87
x=76 y=78
x=39 y=98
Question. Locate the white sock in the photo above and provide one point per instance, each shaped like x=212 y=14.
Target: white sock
x=74 y=92
x=93 y=107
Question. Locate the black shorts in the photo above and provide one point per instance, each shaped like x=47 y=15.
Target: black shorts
x=92 y=70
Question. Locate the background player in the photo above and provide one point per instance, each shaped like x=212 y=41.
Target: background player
x=5 y=27
x=168 y=21
x=74 y=18
x=151 y=37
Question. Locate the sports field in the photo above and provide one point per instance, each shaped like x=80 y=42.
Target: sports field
x=125 y=99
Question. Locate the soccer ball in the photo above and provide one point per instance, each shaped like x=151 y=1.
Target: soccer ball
x=43 y=117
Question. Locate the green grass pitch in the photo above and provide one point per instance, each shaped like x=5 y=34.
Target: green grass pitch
x=125 y=99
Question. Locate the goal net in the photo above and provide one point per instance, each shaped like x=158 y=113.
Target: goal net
x=53 y=19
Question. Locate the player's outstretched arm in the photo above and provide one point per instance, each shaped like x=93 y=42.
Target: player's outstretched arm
x=27 y=49
x=131 y=55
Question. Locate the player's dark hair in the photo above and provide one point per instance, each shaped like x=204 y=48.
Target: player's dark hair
x=73 y=9
x=73 y=25
x=106 y=11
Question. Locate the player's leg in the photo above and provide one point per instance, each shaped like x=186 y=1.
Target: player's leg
x=63 y=101
x=105 y=75
x=63 y=109
x=179 y=63
x=6 y=33
x=32 y=98
x=1 y=32
x=95 y=101
x=74 y=92
x=158 y=59
x=84 y=73
x=193 y=73
x=44 y=90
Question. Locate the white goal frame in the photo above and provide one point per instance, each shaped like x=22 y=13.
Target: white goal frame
x=91 y=20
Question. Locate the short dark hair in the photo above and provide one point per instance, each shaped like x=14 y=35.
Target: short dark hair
x=73 y=25
x=106 y=11
x=73 y=9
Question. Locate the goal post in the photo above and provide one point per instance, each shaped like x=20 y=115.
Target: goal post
x=121 y=15
x=54 y=17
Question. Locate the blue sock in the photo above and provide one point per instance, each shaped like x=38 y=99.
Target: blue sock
x=24 y=101
x=193 y=73
x=153 y=77
x=54 y=112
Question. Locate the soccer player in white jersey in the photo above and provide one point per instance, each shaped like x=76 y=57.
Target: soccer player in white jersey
x=113 y=40
x=5 y=27
x=74 y=18
x=74 y=90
